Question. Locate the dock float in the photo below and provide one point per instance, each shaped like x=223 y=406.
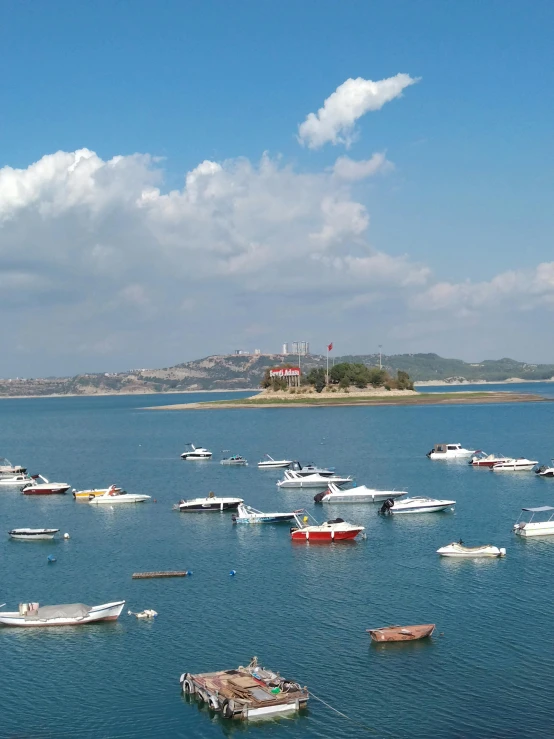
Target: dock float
x=147 y=575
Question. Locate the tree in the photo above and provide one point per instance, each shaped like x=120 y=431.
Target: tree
x=403 y=381
x=316 y=375
x=320 y=384
x=377 y=377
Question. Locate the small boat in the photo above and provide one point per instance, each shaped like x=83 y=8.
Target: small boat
x=457 y=549
x=113 y=497
x=294 y=480
x=246 y=692
x=449 y=451
x=148 y=613
x=210 y=503
x=33 y=534
x=196 y=453
x=311 y=469
x=271 y=464
x=7 y=469
x=401 y=633
x=481 y=459
x=247 y=514
x=545 y=471
x=535 y=528
x=85 y=495
x=359 y=494
x=236 y=461
x=417 y=504
x=335 y=530
x=45 y=487
x=515 y=465
x=15 y=481
x=72 y=614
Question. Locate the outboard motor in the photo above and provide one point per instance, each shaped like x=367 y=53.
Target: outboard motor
x=387 y=505
x=429 y=452
x=319 y=497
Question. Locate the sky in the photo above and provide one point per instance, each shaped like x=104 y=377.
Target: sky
x=180 y=179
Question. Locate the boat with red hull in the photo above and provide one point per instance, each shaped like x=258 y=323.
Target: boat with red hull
x=45 y=487
x=336 y=530
x=481 y=459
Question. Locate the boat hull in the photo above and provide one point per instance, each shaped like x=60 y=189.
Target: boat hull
x=265 y=518
x=52 y=490
x=513 y=467
x=401 y=633
x=29 y=535
x=423 y=509
x=535 y=529
x=105 y=612
x=471 y=552
x=209 y=507
x=306 y=535
x=125 y=499
x=378 y=496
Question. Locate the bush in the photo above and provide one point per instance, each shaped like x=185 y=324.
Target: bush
x=319 y=384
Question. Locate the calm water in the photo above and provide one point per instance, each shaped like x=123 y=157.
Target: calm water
x=301 y=608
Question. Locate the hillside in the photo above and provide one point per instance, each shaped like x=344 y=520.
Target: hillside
x=243 y=372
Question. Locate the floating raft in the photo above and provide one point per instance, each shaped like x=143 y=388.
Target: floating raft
x=147 y=575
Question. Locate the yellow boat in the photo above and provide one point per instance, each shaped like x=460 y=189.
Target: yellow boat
x=87 y=494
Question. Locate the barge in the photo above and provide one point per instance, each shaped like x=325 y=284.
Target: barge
x=246 y=692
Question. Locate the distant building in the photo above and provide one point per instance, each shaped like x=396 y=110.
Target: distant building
x=285 y=349
x=257 y=352
x=300 y=347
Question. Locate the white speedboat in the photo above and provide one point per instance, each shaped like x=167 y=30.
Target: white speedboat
x=114 y=496
x=71 y=614
x=311 y=469
x=449 y=451
x=15 y=481
x=457 y=549
x=33 y=534
x=86 y=494
x=515 y=465
x=247 y=514
x=210 y=503
x=271 y=464
x=545 y=471
x=236 y=460
x=535 y=528
x=417 y=504
x=359 y=494
x=195 y=453
x=294 y=480
x=7 y=469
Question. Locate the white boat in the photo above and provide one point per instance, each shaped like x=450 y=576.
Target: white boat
x=457 y=549
x=294 y=480
x=113 y=496
x=196 y=453
x=33 y=534
x=311 y=469
x=449 y=451
x=15 y=481
x=515 y=465
x=417 y=504
x=482 y=459
x=535 y=528
x=71 y=614
x=7 y=469
x=247 y=514
x=545 y=470
x=271 y=464
x=236 y=460
x=86 y=494
x=210 y=503
x=359 y=494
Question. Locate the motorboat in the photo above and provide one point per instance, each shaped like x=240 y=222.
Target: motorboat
x=335 y=530
x=457 y=549
x=401 y=633
x=236 y=460
x=7 y=469
x=45 y=487
x=294 y=480
x=15 y=480
x=71 y=614
x=482 y=459
x=417 y=504
x=545 y=471
x=535 y=528
x=33 y=534
x=311 y=469
x=84 y=495
x=515 y=465
x=359 y=494
x=113 y=497
x=211 y=503
x=271 y=464
x=247 y=514
x=195 y=453
x=449 y=451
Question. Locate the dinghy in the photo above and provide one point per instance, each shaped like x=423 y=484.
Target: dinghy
x=72 y=614
x=401 y=633
x=457 y=549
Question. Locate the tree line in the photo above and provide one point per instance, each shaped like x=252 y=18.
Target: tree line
x=345 y=375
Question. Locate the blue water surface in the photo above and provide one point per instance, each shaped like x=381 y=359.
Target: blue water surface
x=301 y=608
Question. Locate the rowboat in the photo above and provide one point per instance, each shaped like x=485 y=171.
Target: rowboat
x=401 y=633
x=457 y=549
x=71 y=614
x=33 y=534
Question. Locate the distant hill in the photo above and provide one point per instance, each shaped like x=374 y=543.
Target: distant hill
x=244 y=372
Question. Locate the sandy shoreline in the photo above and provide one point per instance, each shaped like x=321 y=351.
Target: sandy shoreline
x=112 y=395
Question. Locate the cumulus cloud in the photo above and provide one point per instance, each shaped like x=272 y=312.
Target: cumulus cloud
x=334 y=122
x=352 y=170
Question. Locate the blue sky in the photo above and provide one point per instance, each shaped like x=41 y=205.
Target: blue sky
x=469 y=198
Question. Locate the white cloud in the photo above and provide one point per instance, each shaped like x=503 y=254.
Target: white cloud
x=334 y=122
x=352 y=170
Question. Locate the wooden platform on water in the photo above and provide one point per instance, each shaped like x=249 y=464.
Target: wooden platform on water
x=148 y=575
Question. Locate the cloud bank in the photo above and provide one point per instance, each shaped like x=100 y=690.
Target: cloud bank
x=334 y=122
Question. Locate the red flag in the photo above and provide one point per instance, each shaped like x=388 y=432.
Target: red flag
x=330 y=347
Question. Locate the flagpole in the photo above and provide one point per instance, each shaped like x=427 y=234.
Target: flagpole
x=327 y=377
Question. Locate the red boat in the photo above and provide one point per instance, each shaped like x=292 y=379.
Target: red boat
x=336 y=530
x=45 y=487
x=482 y=459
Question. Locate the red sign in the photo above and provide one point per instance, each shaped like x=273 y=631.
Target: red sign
x=285 y=372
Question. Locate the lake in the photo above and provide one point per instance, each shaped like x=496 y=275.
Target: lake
x=303 y=608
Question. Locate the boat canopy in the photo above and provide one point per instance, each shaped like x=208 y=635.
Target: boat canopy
x=68 y=610
x=540 y=509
